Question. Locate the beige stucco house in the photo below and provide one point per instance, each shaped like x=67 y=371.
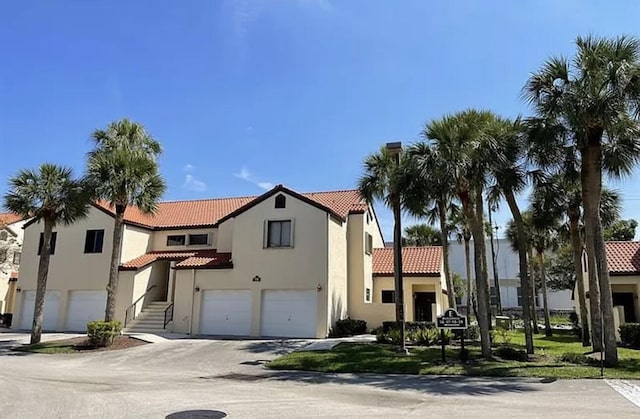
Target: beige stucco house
x=10 y=253
x=623 y=260
x=281 y=264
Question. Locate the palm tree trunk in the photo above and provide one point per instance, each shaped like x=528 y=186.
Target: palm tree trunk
x=576 y=247
x=483 y=249
x=594 y=283
x=41 y=288
x=112 y=287
x=593 y=177
x=494 y=265
x=444 y=230
x=532 y=282
x=522 y=261
x=397 y=263
x=545 y=297
x=477 y=231
x=467 y=263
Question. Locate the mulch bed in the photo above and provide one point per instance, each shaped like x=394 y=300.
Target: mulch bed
x=81 y=344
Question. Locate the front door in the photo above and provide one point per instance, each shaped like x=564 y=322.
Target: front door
x=625 y=299
x=422 y=303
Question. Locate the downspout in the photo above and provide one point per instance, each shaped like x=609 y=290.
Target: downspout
x=193 y=298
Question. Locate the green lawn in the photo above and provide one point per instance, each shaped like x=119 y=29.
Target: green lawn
x=380 y=358
x=56 y=347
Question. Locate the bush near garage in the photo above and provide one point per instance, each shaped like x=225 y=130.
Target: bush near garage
x=348 y=327
x=630 y=335
x=101 y=333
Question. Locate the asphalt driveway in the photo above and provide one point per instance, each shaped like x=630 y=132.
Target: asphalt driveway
x=211 y=378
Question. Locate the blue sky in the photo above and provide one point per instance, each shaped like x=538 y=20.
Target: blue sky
x=247 y=94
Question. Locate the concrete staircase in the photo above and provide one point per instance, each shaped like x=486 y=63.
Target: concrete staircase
x=150 y=319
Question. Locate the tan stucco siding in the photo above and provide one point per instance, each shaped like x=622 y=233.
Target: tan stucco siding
x=69 y=268
x=337 y=289
x=136 y=242
x=224 y=242
x=155 y=275
x=356 y=266
x=160 y=239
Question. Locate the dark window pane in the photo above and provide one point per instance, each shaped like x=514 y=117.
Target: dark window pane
x=176 y=240
x=93 y=241
x=388 y=296
x=367 y=296
x=279 y=234
x=281 y=201
x=198 y=239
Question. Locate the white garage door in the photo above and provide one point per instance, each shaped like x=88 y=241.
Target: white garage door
x=84 y=307
x=290 y=314
x=225 y=313
x=51 y=310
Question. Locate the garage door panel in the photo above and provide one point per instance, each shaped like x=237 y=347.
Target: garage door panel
x=226 y=313
x=289 y=314
x=51 y=310
x=84 y=307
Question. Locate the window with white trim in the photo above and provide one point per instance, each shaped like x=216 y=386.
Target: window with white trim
x=279 y=234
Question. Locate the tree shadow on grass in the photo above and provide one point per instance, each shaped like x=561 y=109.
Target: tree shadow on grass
x=435 y=385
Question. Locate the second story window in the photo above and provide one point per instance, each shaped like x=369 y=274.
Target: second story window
x=198 y=239
x=178 y=240
x=16 y=258
x=368 y=243
x=279 y=234
x=54 y=237
x=93 y=241
x=388 y=296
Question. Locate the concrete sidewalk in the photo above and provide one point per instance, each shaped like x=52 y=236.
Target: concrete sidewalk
x=328 y=344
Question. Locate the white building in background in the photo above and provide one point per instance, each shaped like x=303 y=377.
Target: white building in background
x=507 y=267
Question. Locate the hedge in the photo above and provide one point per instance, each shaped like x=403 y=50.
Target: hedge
x=630 y=334
x=348 y=327
x=103 y=333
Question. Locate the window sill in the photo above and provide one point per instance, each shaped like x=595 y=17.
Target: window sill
x=278 y=247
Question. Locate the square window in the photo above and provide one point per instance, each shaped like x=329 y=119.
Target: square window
x=16 y=258
x=388 y=296
x=279 y=234
x=93 y=241
x=179 y=240
x=368 y=245
x=54 y=237
x=367 y=294
x=198 y=239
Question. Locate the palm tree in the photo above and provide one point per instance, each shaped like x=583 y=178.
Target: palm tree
x=458 y=139
x=432 y=193
x=460 y=229
x=384 y=179
x=123 y=171
x=597 y=97
x=509 y=172
x=422 y=235
x=53 y=195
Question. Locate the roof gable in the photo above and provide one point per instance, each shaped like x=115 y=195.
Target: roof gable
x=623 y=258
x=416 y=261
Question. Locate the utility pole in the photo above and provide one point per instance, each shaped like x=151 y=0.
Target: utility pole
x=494 y=263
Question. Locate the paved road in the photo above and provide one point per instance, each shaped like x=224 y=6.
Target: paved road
x=167 y=379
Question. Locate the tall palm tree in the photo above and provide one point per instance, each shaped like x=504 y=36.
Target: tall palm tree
x=384 y=179
x=509 y=172
x=458 y=140
x=50 y=194
x=460 y=229
x=597 y=96
x=433 y=195
x=123 y=171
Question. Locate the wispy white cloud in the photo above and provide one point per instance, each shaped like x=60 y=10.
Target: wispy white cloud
x=246 y=175
x=192 y=183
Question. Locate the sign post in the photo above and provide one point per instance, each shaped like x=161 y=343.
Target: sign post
x=451 y=320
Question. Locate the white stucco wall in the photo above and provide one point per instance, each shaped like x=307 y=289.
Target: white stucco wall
x=337 y=265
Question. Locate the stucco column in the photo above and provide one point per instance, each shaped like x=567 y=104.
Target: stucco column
x=171 y=284
x=439 y=298
x=409 y=312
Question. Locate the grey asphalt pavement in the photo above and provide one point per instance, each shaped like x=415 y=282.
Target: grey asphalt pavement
x=211 y=378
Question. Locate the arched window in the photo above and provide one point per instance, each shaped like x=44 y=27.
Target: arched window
x=281 y=201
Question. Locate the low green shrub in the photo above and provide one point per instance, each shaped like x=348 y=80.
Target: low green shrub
x=630 y=335
x=409 y=326
x=578 y=359
x=511 y=354
x=348 y=327
x=500 y=336
x=425 y=337
x=103 y=333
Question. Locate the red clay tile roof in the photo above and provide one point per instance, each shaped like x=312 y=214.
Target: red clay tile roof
x=623 y=257
x=187 y=258
x=207 y=212
x=419 y=261
x=7 y=218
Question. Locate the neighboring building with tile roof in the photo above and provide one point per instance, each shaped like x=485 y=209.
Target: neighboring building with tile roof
x=11 y=235
x=283 y=264
x=623 y=261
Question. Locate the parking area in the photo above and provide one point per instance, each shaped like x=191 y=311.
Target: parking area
x=170 y=378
